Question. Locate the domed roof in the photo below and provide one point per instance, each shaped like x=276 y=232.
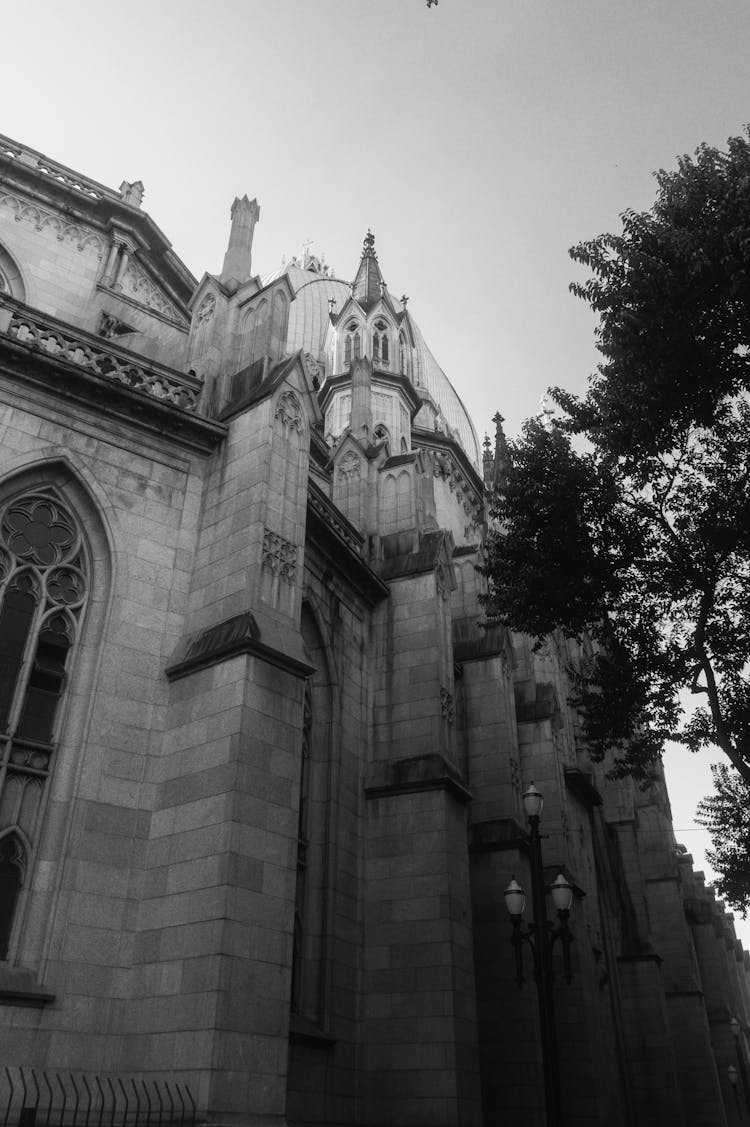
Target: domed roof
x=309 y=320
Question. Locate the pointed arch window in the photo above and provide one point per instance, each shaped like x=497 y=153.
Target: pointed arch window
x=403 y=355
x=43 y=589
x=380 y=346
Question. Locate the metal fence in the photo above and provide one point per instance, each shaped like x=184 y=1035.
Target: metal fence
x=32 y=1098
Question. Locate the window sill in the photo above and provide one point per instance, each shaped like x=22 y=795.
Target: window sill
x=18 y=987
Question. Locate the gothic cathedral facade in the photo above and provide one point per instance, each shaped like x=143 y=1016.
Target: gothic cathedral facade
x=262 y=759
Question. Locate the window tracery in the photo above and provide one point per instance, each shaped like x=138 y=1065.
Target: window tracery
x=43 y=589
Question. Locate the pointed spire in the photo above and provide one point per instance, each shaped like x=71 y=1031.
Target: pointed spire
x=368 y=284
x=238 y=259
x=502 y=455
x=488 y=462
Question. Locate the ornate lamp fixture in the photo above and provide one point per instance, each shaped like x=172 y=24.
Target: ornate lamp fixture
x=541 y=935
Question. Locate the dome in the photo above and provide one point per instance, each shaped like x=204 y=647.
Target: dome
x=309 y=320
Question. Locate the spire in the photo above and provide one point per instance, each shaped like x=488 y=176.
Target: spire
x=368 y=285
x=238 y=259
x=502 y=455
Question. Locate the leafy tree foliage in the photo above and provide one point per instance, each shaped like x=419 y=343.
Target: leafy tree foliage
x=628 y=519
x=726 y=813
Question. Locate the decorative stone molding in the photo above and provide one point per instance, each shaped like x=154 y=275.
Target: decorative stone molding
x=279 y=555
x=289 y=411
x=136 y=282
x=39 y=218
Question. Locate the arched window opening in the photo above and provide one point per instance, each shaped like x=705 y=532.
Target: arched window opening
x=11 y=879
x=352 y=343
x=11 y=282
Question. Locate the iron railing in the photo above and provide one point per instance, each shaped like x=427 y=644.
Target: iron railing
x=35 y=1098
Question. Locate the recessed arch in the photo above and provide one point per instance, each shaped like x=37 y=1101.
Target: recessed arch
x=11 y=279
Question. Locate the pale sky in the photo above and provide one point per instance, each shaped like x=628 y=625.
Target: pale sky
x=478 y=139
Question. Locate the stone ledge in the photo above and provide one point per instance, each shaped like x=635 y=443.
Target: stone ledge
x=308 y=1033
x=238 y=635
x=581 y=784
x=497 y=834
x=418 y=773
x=19 y=987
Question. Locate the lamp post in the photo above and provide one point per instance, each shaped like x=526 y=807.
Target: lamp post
x=541 y=936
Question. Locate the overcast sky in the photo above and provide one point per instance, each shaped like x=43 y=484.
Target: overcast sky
x=478 y=139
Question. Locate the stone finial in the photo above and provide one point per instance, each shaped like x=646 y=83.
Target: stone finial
x=368 y=247
x=132 y=193
x=237 y=266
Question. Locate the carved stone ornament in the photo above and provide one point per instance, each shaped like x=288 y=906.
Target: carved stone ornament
x=279 y=555
x=447 y=707
x=206 y=308
x=289 y=411
x=441 y=585
x=350 y=466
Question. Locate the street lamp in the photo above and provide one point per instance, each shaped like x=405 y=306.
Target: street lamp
x=541 y=936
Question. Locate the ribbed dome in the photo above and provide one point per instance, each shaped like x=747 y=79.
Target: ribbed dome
x=309 y=319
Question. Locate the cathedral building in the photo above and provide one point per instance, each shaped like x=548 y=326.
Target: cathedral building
x=262 y=759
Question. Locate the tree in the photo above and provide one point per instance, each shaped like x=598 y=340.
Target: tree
x=628 y=519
